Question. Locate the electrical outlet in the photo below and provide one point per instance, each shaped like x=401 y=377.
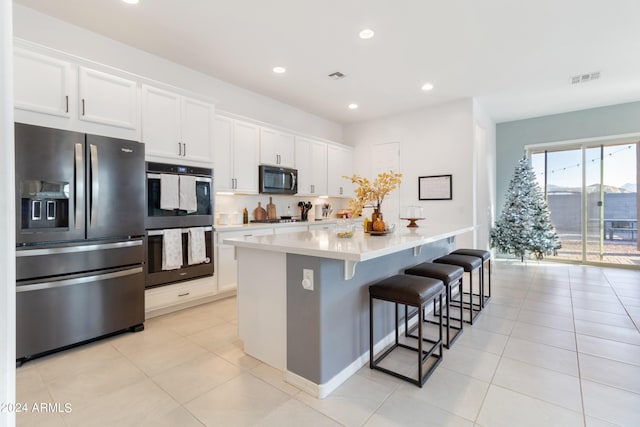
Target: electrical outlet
x=307 y=279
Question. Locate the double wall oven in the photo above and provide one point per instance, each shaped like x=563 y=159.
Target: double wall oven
x=161 y=220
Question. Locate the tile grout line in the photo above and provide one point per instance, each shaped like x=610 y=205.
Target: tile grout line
x=484 y=398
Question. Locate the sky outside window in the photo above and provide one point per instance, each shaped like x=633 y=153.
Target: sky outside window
x=564 y=168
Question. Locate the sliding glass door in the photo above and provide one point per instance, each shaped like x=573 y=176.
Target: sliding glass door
x=591 y=190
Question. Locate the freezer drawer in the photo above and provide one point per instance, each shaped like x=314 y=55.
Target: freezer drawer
x=33 y=262
x=58 y=313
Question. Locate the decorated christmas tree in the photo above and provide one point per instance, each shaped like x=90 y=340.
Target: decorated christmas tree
x=524 y=225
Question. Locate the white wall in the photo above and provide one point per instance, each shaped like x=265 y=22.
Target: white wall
x=45 y=30
x=7 y=230
x=433 y=141
x=485 y=183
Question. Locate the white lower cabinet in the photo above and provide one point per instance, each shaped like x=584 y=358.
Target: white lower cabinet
x=168 y=298
x=226 y=265
x=320 y=226
x=282 y=229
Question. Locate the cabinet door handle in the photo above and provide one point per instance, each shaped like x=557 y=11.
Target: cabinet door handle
x=340 y=190
x=66 y=98
x=184 y=149
x=83 y=106
x=179 y=148
x=184 y=295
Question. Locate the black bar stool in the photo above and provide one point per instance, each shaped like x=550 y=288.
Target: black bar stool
x=415 y=291
x=486 y=258
x=451 y=276
x=470 y=264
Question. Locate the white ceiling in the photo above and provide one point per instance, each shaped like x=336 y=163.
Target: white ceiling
x=515 y=56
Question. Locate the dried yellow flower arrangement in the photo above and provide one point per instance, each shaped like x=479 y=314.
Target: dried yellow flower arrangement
x=372 y=194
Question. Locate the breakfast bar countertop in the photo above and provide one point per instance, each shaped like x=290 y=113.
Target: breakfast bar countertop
x=360 y=247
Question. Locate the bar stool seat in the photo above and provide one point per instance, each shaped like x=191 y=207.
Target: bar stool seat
x=486 y=258
x=470 y=264
x=451 y=276
x=415 y=291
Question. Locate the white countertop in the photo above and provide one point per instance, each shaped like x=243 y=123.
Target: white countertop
x=360 y=247
x=259 y=225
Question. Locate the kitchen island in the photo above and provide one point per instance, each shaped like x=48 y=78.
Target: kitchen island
x=303 y=302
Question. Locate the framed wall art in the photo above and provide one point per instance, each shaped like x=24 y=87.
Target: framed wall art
x=435 y=187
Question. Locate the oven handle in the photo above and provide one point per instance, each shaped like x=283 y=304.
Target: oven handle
x=183 y=230
x=198 y=178
x=78 y=280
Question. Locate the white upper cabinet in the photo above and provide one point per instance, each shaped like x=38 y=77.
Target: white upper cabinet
x=311 y=162
x=236 y=146
x=107 y=99
x=245 y=157
x=174 y=126
x=160 y=122
x=41 y=84
x=276 y=148
x=339 y=164
x=197 y=129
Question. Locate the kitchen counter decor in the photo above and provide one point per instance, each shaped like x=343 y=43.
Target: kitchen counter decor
x=371 y=194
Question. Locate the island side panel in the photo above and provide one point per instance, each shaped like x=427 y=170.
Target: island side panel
x=328 y=328
x=262 y=300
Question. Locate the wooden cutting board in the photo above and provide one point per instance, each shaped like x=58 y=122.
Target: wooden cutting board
x=259 y=213
x=271 y=210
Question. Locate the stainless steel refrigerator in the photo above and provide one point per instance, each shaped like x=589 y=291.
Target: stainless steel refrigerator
x=79 y=238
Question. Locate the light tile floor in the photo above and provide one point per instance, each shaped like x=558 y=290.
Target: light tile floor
x=557 y=346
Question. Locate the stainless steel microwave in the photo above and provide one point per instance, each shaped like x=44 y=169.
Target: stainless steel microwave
x=277 y=180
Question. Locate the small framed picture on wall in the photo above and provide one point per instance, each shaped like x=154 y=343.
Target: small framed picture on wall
x=435 y=187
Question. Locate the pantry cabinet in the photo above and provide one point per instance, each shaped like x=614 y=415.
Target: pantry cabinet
x=236 y=145
x=339 y=164
x=176 y=126
x=311 y=162
x=276 y=148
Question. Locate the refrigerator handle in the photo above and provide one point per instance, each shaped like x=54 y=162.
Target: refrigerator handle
x=95 y=185
x=78 y=280
x=79 y=193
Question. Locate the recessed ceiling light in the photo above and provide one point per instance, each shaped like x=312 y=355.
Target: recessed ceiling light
x=427 y=86
x=353 y=106
x=367 y=33
x=131 y=1
x=279 y=70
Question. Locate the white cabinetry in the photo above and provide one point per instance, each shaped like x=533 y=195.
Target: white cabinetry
x=175 y=126
x=226 y=265
x=290 y=228
x=236 y=145
x=41 y=84
x=276 y=148
x=107 y=99
x=339 y=164
x=311 y=162
x=177 y=296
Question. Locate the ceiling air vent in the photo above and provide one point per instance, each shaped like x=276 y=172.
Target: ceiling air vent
x=584 y=78
x=337 y=75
